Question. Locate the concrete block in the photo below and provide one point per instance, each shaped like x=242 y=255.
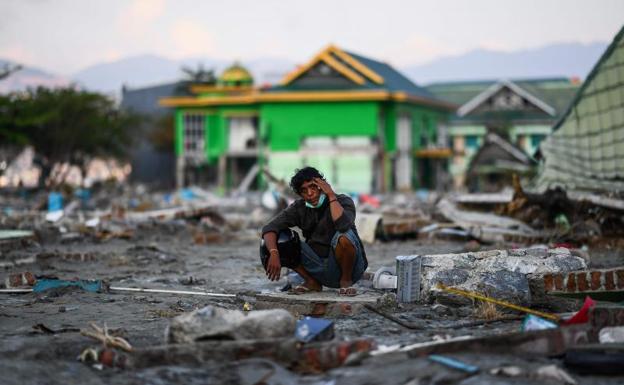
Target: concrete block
x=212 y=322
x=499 y=273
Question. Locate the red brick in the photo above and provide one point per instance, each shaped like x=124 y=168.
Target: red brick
x=346 y=309
x=595 y=280
x=620 y=278
x=609 y=280
x=559 y=281
x=571 y=284
x=549 y=283
x=581 y=281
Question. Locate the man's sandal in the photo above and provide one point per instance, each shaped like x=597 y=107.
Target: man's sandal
x=347 y=291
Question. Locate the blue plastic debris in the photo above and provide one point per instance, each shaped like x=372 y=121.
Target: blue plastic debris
x=44 y=284
x=187 y=194
x=453 y=363
x=314 y=329
x=533 y=322
x=55 y=201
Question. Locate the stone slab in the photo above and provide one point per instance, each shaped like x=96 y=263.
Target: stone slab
x=327 y=302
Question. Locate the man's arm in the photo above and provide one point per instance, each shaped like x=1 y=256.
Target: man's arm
x=286 y=219
x=342 y=213
x=335 y=207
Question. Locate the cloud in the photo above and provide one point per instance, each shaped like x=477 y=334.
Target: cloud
x=136 y=19
x=190 y=38
x=18 y=54
x=418 y=49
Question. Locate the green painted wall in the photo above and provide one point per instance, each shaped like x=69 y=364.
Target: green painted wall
x=179 y=129
x=288 y=123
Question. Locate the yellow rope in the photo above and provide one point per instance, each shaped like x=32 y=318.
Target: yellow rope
x=523 y=309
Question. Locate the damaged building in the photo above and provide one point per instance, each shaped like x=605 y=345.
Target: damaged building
x=518 y=112
x=586 y=150
x=368 y=127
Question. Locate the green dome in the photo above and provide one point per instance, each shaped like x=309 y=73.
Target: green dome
x=236 y=75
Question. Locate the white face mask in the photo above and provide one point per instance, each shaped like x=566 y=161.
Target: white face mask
x=319 y=204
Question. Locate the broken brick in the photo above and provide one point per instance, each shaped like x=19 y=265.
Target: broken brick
x=595 y=280
x=571 y=284
x=609 y=280
x=581 y=281
x=620 y=278
x=558 y=282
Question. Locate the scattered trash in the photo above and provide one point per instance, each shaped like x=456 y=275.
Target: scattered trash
x=533 y=322
x=507 y=371
x=108 y=340
x=454 y=363
x=611 y=334
x=554 y=373
x=20 y=279
x=582 y=316
x=314 y=329
x=93 y=286
x=385 y=278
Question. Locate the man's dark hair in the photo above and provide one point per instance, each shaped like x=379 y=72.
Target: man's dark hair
x=303 y=175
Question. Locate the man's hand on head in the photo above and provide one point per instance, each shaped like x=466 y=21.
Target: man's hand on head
x=274 y=266
x=325 y=187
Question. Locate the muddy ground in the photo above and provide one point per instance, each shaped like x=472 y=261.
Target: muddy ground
x=166 y=256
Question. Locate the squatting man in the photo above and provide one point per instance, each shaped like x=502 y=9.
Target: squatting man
x=332 y=253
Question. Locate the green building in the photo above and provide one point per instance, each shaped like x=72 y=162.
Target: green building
x=520 y=112
x=364 y=124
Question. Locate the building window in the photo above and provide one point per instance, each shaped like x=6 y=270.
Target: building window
x=536 y=140
x=472 y=141
x=194 y=134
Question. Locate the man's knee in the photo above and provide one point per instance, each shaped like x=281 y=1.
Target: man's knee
x=344 y=247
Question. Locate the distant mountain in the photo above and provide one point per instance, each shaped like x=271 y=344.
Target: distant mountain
x=569 y=60
x=29 y=77
x=555 y=60
x=139 y=71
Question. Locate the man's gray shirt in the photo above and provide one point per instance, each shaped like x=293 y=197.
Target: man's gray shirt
x=317 y=225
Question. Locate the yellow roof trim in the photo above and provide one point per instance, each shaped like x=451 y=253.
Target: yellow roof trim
x=325 y=56
x=200 y=88
x=343 y=69
x=353 y=62
x=320 y=96
x=311 y=96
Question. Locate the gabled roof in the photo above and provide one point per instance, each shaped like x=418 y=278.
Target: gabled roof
x=475 y=102
x=556 y=92
x=364 y=73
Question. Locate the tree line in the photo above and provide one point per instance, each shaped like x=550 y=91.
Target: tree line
x=66 y=125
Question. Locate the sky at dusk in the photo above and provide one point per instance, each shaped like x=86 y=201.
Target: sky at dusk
x=65 y=36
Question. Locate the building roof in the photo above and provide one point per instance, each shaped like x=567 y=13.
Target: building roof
x=331 y=75
x=553 y=92
x=586 y=149
x=475 y=102
x=362 y=72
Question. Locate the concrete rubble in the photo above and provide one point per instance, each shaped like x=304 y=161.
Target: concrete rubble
x=502 y=274
x=212 y=322
x=188 y=262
